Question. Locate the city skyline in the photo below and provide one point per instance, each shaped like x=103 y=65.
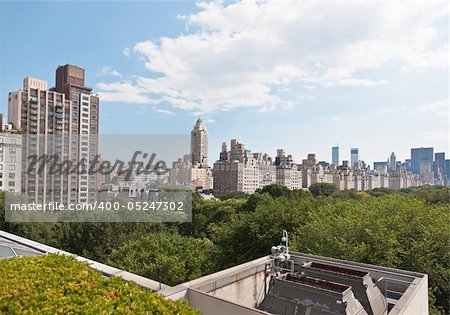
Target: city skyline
x=393 y=100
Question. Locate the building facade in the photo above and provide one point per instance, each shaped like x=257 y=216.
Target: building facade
x=10 y=162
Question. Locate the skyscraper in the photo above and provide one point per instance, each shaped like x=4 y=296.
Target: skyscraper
x=439 y=166
x=421 y=158
x=335 y=155
x=48 y=117
x=199 y=144
x=447 y=171
x=354 y=156
x=85 y=111
x=392 y=162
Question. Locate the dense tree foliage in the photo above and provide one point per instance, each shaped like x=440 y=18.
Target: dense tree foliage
x=57 y=284
x=166 y=257
x=405 y=229
x=322 y=189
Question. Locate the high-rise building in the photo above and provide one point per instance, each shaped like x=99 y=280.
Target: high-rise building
x=62 y=121
x=241 y=170
x=199 y=144
x=447 y=171
x=380 y=167
x=421 y=160
x=354 y=156
x=439 y=167
x=335 y=155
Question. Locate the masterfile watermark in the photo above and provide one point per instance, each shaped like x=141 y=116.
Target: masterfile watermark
x=55 y=165
x=100 y=178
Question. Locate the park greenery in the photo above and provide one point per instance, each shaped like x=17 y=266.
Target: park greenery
x=407 y=229
x=59 y=284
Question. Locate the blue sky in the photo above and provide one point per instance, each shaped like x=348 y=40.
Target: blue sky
x=302 y=76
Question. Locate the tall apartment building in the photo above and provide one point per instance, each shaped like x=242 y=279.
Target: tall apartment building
x=267 y=170
x=287 y=173
x=62 y=121
x=199 y=144
x=10 y=162
x=289 y=176
x=308 y=168
x=240 y=170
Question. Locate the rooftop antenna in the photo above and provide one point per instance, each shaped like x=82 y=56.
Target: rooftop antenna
x=281 y=259
x=285 y=239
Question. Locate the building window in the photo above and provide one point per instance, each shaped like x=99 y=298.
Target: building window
x=12 y=167
x=12 y=176
x=12 y=184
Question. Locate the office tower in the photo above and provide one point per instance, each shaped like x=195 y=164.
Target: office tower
x=199 y=144
x=439 y=166
x=447 y=170
x=335 y=155
x=421 y=160
x=62 y=121
x=354 y=156
x=392 y=162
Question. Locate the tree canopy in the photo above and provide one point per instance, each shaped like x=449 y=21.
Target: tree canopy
x=406 y=229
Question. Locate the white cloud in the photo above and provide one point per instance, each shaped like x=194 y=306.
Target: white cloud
x=385 y=110
x=123 y=92
x=440 y=108
x=246 y=53
x=108 y=71
x=127 y=52
x=335 y=118
x=165 y=111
